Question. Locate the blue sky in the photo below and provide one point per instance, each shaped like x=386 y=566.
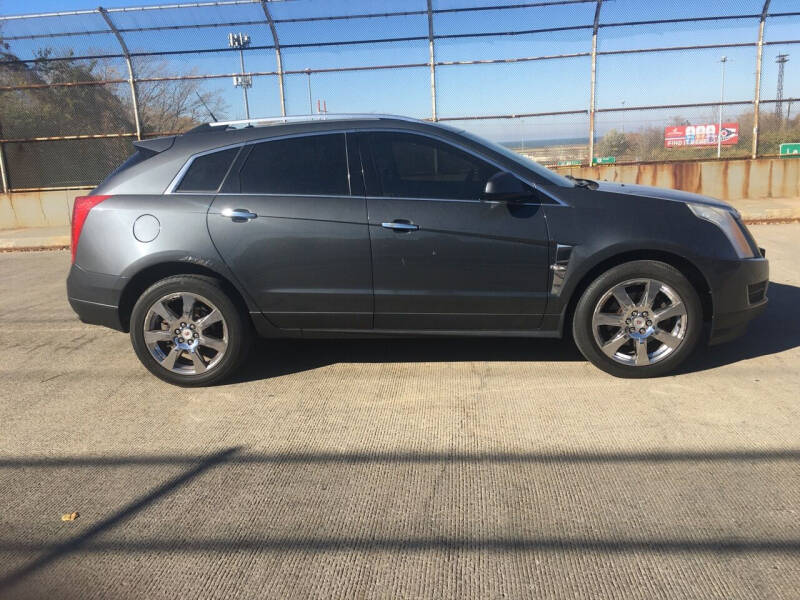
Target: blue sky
x=563 y=84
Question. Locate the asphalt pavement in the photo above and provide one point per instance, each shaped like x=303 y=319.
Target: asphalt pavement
x=396 y=469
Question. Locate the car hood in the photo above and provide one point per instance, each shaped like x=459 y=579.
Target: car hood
x=660 y=193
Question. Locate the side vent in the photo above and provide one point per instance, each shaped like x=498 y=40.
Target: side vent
x=559 y=267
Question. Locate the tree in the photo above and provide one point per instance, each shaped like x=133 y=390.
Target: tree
x=168 y=105
x=614 y=143
x=43 y=102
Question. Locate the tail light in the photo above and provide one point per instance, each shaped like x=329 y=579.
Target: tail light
x=83 y=204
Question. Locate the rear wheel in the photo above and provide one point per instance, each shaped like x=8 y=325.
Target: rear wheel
x=639 y=319
x=187 y=331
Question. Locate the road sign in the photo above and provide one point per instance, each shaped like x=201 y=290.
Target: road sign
x=604 y=160
x=790 y=149
x=569 y=163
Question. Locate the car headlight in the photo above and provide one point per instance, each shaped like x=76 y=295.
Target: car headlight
x=726 y=221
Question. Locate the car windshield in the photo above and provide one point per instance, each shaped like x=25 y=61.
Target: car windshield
x=540 y=170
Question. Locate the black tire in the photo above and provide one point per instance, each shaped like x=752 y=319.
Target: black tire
x=587 y=340
x=238 y=332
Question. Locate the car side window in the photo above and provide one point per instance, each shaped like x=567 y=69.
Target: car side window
x=414 y=166
x=206 y=172
x=306 y=165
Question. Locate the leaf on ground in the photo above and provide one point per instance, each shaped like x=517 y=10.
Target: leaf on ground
x=69 y=516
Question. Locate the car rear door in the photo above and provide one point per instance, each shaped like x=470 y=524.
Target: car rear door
x=442 y=258
x=289 y=227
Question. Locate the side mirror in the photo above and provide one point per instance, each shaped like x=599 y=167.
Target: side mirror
x=505 y=187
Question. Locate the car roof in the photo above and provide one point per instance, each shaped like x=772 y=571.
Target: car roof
x=313 y=118
x=219 y=134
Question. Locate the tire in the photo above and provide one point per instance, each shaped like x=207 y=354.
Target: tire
x=658 y=302
x=187 y=330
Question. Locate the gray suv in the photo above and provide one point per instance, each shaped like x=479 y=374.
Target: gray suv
x=388 y=226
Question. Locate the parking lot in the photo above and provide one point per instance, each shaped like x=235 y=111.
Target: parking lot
x=432 y=468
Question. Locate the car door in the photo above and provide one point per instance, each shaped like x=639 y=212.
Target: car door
x=292 y=232
x=443 y=259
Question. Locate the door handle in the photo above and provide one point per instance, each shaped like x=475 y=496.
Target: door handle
x=239 y=215
x=400 y=226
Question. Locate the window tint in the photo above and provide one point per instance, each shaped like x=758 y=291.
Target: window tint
x=413 y=166
x=133 y=160
x=313 y=164
x=206 y=172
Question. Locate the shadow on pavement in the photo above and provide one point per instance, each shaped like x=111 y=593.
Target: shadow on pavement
x=270 y=358
x=776 y=330
x=770 y=333
x=197 y=465
x=56 y=551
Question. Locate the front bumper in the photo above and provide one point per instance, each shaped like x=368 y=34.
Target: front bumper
x=95 y=297
x=739 y=298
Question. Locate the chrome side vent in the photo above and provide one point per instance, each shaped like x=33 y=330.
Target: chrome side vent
x=559 y=267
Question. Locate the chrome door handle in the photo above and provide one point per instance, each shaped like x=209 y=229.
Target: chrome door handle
x=400 y=226
x=238 y=214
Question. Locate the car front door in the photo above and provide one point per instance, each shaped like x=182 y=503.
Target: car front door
x=292 y=232
x=442 y=258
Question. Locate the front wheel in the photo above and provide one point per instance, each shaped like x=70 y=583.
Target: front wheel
x=639 y=319
x=187 y=331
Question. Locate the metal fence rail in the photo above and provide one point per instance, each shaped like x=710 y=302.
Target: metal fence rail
x=77 y=86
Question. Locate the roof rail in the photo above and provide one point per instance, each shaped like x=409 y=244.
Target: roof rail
x=261 y=121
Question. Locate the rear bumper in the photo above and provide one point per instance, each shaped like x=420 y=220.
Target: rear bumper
x=95 y=297
x=739 y=299
x=93 y=313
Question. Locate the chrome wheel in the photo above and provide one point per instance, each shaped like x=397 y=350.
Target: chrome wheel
x=185 y=333
x=640 y=322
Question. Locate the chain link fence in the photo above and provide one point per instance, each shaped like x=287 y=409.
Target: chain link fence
x=559 y=80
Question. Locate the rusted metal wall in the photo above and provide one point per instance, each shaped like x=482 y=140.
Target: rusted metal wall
x=723 y=179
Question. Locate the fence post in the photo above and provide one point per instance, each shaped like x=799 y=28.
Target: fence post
x=278 y=57
x=3 y=172
x=759 y=56
x=131 y=79
x=593 y=81
x=432 y=59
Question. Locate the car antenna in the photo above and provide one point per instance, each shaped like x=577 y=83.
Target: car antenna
x=199 y=97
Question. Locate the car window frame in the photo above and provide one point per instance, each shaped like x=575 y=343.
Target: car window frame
x=371 y=176
x=239 y=160
x=356 y=134
x=253 y=143
x=367 y=165
x=172 y=188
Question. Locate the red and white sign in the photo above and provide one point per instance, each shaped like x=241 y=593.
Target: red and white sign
x=700 y=135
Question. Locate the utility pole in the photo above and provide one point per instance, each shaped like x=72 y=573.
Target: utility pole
x=722 y=60
x=241 y=41
x=781 y=59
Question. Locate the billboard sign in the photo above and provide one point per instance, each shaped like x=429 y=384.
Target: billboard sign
x=700 y=135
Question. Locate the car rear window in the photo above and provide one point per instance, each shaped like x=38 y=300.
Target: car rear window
x=206 y=172
x=132 y=160
x=311 y=164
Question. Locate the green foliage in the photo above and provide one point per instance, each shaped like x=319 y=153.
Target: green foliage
x=614 y=143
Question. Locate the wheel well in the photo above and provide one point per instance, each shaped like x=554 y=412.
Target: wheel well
x=691 y=272
x=148 y=276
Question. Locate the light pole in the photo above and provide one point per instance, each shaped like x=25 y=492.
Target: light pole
x=722 y=60
x=310 y=104
x=241 y=41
